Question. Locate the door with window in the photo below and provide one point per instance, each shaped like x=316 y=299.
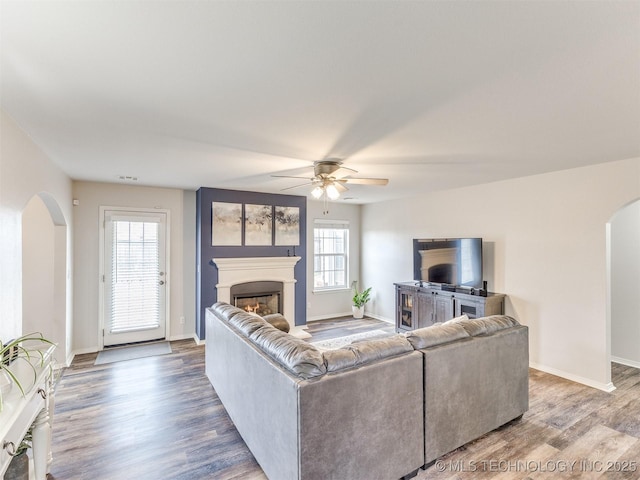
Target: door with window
x=135 y=279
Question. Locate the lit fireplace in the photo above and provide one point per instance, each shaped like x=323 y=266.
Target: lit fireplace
x=235 y=271
x=262 y=298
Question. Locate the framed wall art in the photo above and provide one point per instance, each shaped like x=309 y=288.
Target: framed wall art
x=226 y=224
x=287 y=226
x=258 y=225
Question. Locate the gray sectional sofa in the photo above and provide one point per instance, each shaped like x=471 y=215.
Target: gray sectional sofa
x=378 y=408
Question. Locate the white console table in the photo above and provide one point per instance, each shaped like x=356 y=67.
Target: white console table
x=34 y=408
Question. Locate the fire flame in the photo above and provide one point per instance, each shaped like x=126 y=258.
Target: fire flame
x=251 y=309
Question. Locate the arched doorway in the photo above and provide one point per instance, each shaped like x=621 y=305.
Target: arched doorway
x=623 y=247
x=45 y=297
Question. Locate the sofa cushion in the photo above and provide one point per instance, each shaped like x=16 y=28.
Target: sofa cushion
x=457 y=319
x=294 y=354
x=365 y=351
x=436 y=335
x=247 y=322
x=336 y=360
x=278 y=321
x=488 y=325
x=224 y=311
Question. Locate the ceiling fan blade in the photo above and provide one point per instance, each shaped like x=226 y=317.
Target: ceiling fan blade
x=308 y=184
x=340 y=187
x=365 y=181
x=343 y=172
x=290 y=176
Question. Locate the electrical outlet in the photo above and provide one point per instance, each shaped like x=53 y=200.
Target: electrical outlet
x=181 y=320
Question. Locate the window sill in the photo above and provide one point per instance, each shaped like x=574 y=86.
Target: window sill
x=330 y=290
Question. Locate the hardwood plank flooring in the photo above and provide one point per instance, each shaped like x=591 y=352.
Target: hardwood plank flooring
x=159 y=418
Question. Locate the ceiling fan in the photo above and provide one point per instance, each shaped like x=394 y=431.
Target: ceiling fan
x=329 y=179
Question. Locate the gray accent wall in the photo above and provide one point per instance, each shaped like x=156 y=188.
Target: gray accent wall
x=207 y=272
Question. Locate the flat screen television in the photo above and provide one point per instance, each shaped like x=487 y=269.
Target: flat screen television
x=448 y=261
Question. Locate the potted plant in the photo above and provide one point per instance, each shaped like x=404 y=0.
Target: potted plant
x=16 y=350
x=359 y=300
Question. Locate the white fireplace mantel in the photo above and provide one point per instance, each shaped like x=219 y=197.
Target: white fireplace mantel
x=232 y=271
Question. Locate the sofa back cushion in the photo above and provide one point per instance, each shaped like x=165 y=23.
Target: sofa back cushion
x=487 y=325
x=247 y=322
x=299 y=357
x=225 y=311
x=365 y=351
x=436 y=335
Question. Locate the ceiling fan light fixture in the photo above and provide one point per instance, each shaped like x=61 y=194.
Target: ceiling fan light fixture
x=332 y=192
x=317 y=192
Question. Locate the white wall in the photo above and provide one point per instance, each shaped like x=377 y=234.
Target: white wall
x=625 y=280
x=38 y=256
x=26 y=171
x=86 y=254
x=321 y=305
x=546 y=249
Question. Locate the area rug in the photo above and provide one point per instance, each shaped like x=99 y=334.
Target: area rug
x=335 y=343
x=121 y=354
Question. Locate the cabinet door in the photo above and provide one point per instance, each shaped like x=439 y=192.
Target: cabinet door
x=469 y=308
x=405 y=316
x=424 y=312
x=443 y=308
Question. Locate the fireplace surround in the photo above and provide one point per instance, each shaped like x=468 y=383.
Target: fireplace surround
x=236 y=271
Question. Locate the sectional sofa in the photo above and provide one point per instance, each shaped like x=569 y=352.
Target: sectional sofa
x=377 y=408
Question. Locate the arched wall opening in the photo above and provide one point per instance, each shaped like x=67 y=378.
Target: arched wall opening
x=623 y=252
x=44 y=272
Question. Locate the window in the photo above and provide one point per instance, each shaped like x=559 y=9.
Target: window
x=330 y=255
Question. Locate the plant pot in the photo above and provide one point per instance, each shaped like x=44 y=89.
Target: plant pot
x=358 y=312
x=18 y=468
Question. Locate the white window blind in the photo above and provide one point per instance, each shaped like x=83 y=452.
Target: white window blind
x=135 y=288
x=330 y=254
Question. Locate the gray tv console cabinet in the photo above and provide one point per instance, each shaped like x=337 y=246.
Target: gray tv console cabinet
x=420 y=306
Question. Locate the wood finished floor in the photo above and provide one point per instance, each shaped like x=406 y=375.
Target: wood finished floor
x=159 y=418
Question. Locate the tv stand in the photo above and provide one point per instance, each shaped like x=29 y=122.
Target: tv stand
x=420 y=304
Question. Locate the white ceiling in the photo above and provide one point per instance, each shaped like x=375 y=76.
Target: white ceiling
x=431 y=95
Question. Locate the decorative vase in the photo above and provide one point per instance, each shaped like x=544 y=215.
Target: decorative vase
x=18 y=468
x=358 y=312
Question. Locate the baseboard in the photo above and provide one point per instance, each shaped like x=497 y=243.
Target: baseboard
x=198 y=341
x=182 y=336
x=82 y=351
x=624 y=361
x=381 y=318
x=605 y=387
x=69 y=359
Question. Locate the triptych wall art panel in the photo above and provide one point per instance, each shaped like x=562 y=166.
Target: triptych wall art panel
x=287 y=220
x=258 y=225
x=226 y=226
x=237 y=224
